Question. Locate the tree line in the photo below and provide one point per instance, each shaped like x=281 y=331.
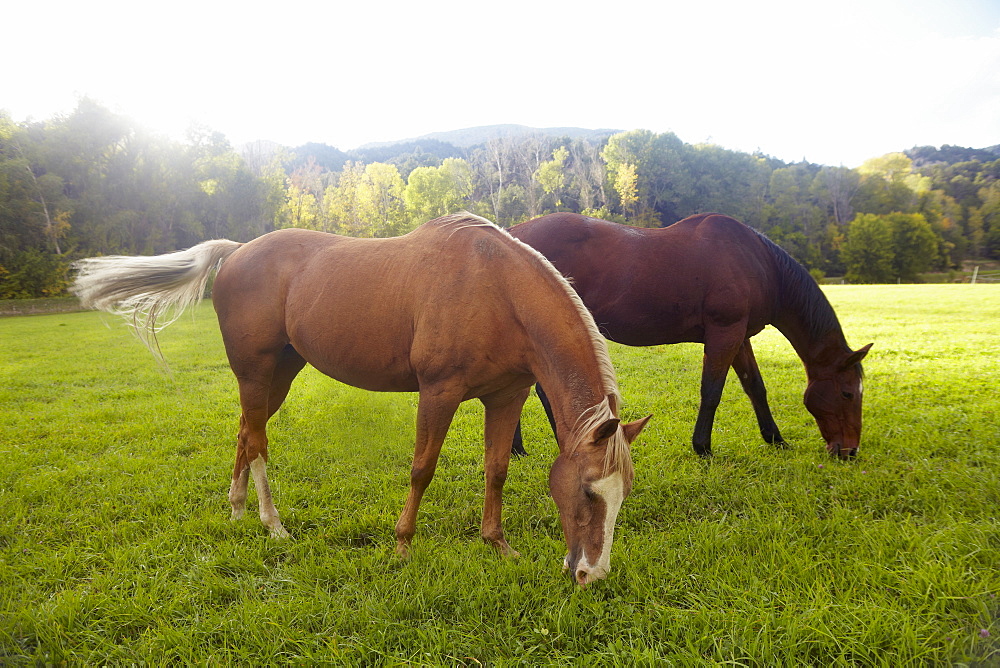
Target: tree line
x=95 y=183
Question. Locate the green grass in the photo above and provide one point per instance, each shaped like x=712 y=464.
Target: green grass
x=116 y=545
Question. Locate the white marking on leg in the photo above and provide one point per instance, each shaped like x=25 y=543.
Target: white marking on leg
x=268 y=513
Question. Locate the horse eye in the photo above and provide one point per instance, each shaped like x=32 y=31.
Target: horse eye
x=847 y=395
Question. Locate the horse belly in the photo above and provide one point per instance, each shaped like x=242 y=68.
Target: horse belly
x=360 y=356
x=652 y=322
x=368 y=377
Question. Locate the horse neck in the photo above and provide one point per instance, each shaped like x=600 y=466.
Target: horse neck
x=572 y=396
x=804 y=314
x=569 y=355
x=571 y=363
x=817 y=348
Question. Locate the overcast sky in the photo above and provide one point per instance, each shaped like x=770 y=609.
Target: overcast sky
x=833 y=82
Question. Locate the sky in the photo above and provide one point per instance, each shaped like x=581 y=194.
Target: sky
x=834 y=82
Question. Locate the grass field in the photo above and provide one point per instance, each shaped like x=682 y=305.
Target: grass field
x=116 y=545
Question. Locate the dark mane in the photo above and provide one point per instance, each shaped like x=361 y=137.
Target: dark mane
x=800 y=294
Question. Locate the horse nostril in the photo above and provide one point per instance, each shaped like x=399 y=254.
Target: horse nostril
x=581 y=577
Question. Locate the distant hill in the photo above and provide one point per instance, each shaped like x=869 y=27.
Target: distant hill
x=327 y=157
x=948 y=154
x=480 y=135
x=433 y=149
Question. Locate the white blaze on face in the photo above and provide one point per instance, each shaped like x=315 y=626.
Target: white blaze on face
x=612 y=490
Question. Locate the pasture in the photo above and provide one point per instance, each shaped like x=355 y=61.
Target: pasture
x=116 y=544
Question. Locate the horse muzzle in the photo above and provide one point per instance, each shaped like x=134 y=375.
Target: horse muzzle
x=841 y=451
x=584 y=573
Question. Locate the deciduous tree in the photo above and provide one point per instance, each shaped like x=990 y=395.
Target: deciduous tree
x=436 y=191
x=867 y=252
x=380 y=200
x=551 y=175
x=661 y=183
x=914 y=244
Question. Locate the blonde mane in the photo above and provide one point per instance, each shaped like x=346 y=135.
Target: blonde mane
x=617 y=457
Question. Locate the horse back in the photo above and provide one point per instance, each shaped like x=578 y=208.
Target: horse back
x=384 y=314
x=665 y=285
x=317 y=293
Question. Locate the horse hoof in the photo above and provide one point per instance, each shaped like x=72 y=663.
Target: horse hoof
x=508 y=552
x=279 y=532
x=502 y=547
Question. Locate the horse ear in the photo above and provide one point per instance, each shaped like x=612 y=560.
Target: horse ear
x=605 y=430
x=632 y=429
x=856 y=357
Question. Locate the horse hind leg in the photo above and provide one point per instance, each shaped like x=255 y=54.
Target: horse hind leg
x=241 y=475
x=745 y=366
x=260 y=399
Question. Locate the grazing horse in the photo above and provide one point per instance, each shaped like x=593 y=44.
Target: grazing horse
x=455 y=310
x=710 y=279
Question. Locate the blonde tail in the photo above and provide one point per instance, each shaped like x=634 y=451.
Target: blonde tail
x=150 y=292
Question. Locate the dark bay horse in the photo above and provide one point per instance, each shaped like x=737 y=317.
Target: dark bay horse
x=710 y=279
x=455 y=310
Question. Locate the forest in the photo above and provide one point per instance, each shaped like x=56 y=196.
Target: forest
x=93 y=182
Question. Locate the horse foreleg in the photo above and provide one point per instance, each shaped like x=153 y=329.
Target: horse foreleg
x=547 y=405
x=435 y=411
x=745 y=366
x=719 y=353
x=501 y=420
x=517 y=446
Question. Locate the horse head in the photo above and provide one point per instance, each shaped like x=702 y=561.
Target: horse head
x=833 y=396
x=588 y=482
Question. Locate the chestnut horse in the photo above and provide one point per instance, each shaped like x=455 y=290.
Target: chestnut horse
x=713 y=280
x=455 y=310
